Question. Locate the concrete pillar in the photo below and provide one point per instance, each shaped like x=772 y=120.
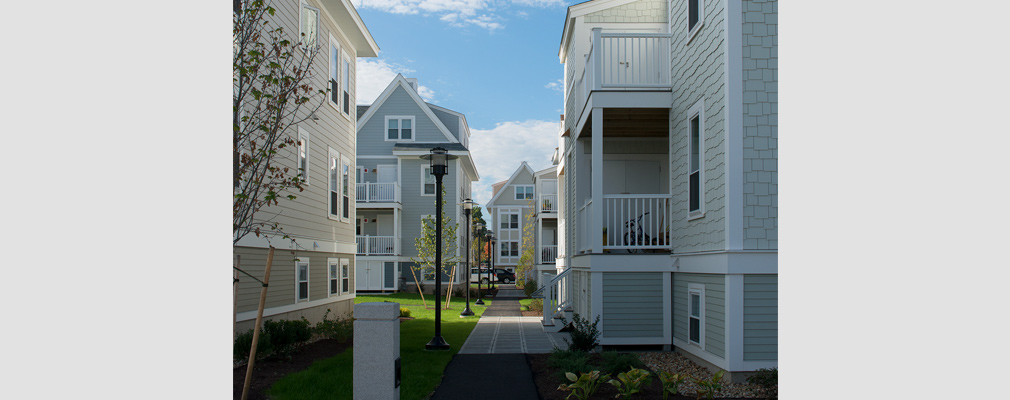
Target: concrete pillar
x=376 y=351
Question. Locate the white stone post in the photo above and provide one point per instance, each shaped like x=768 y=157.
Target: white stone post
x=376 y=351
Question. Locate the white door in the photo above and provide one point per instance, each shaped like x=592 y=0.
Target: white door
x=375 y=275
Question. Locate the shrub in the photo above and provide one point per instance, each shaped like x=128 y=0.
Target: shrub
x=530 y=287
x=768 y=380
x=404 y=312
x=243 y=345
x=537 y=305
x=614 y=362
x=585 y=336
x=631 y=382
x=709 y=388
x=569 y=361
x=341 y=329
x=284 y=334
x=459 y=291
x=671 y=383
x=583 y=386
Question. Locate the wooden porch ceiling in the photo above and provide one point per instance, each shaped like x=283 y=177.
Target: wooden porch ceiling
x=632 y=122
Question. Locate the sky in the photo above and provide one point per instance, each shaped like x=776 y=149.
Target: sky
x=494 y=61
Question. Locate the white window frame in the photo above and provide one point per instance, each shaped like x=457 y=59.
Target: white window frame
x=301 y=26
x=298 y=281
x=692 y=31
x=424 y=182
x=696 y=289
x=334 y=62
x=502 y=247
x=333 y=170
x=345 y=276
x=399 y=127
x=698 y=110
x=305 y=138
x=508 y=214
x=345 y=73
x=346 y=183
x=333 y=277
x=527 y=189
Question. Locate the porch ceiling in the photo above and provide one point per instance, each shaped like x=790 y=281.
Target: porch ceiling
x=632 y=122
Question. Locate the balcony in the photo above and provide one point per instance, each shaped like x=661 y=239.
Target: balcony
x=631 y=223
x=548 y=254
x=369 y=192
x=376 y=245
x=548 y=203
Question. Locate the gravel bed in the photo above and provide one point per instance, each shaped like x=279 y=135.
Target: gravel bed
x=675 y=363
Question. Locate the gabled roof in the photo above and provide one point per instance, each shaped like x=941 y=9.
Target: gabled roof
x=523 y=166
x=552 y=170
x=408 y=146
x=400 y=81
x=495 y=187
x=346 y=17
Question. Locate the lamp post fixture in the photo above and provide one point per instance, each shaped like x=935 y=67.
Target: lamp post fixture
x=467 y=206
x=480 y=300
x=439 y=162
x=491 y=269
x=490 y=259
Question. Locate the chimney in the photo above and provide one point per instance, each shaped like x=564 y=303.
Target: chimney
x=413 y=83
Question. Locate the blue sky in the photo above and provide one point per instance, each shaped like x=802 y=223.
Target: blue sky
x=496 y=62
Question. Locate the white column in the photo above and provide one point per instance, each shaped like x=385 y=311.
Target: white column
x=596 y=227
x=396 y=231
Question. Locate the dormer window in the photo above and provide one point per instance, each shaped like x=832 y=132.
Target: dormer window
x=400 y=128
x=524 y=192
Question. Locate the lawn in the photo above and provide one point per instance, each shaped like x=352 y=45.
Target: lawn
x=421 y=370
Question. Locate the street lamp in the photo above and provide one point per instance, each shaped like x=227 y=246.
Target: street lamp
x=490 y=259
x=480 y=228
x=467 y=206
x=439 y=162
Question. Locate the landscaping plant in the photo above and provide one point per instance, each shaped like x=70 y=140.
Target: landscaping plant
x=243 y=344
x=583 y=386
x=341 y=329
x=631 y=382
x=536 y=305
x=529 y=287
x=768 y=380
x=614 y=362
x=404 y=312
x=585 y=336
x=569 y=361
x=284 y=334
x=708 y=388
x=671 y=383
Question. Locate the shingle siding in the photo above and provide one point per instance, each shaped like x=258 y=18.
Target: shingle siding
x=639 y=11
x=760 y=123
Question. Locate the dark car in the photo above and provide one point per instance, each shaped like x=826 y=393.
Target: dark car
x=504 y=276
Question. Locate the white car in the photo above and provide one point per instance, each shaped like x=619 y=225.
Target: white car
x=479 y=276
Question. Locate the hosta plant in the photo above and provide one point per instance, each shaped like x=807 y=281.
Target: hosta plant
x=671 y=383
x=583 y=386
x=708 y=388
x=631 y=382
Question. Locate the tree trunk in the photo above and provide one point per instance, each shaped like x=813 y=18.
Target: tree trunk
x=256 y=328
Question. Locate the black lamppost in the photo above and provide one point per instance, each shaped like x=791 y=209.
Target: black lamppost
x=467 y=206
x=480 y=228
x=439 y=162
x=490 y=261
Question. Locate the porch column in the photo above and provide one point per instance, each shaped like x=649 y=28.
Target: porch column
x=396 y=231
x=596 y=227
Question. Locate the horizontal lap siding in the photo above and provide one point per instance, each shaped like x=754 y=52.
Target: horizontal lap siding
x=715 y=306
x=760 y=318
x=281 y=290
x=415 y=205
x=632 y=304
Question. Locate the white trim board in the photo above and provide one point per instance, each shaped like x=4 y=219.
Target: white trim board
x=267 y=312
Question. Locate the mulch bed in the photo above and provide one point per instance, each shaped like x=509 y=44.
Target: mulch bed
x=547 y=383
x=268 y=371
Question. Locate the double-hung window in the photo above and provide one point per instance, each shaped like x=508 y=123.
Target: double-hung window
x=695 y=17
x=399 y=127
x=334 y=166
x=696 y=313
x=335 y=73
x=524 y=192
x=510 y=249
x=303 y=155
x=510 y=221
x=309 y=26
x=333 y=277
x=427 y=182
x=345 y=173
x=346 y=84
x=345 y=276
x=696 y=183
x=302 y=283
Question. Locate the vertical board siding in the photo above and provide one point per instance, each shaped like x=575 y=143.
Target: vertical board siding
x=760 y=318
x=698 y=73
x=715 y=310
x=633 y=304
x=760 y=123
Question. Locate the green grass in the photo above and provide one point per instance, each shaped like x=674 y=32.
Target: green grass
x=421 y=370
x=524 y=304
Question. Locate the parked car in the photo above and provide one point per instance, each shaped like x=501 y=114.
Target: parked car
x=504 y=276
x=480 y=275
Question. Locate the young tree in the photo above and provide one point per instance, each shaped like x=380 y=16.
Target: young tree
x=272 y=94
x=477 y=215
x=425 y=245
x=526 y=258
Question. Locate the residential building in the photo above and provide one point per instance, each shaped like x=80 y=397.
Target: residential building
x=395 y=189
x=668 y=177
x=314 y=271
x=527 y=201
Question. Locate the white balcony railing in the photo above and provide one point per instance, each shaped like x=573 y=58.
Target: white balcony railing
x=631 y=222
x=376 y=245
x=548 y=203
x=624 y=61
x=549 y=254
x=387 y=192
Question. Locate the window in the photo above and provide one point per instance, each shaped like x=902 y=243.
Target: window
x=524 y=192
x=427 y=182
x=510 y=221
x=509 y=249
x=695 y=179
x=303 y=155
x=696 y=313
x=400 y=128
x=695 y=16
x=334 y=278
x=345 y=167
x=302 y=283
x=309 y=26
x=334 y=73
x=346 y=83
x=345 y=276
x=334 y=184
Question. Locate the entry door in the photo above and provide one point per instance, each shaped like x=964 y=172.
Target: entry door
x=369 y=275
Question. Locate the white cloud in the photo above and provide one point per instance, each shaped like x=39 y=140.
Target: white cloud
x=373 y=75
x=499 y=151
x=558 y=85
x=458 y=13
x=539 y=3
